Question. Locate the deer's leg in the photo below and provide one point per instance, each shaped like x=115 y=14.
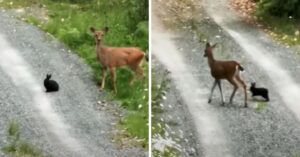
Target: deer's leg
x=103 y=77
x=138 y=72
x=114 y=79
x=238 y=78
x=133 y=77
x=220 y=87
x=235 y=87
x=212 y=90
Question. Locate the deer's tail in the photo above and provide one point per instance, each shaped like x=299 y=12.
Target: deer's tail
x=241 y=68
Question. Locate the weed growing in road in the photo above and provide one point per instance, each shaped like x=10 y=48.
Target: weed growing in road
x=70 y=20
x=17 y=147
x=261 y=106
x=296 y=155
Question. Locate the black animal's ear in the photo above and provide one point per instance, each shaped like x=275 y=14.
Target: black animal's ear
x=106 y=29
x=93 y=29
x=207 y=45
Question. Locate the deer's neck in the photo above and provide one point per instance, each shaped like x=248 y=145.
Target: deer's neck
x=211 y=60
x=100 y=47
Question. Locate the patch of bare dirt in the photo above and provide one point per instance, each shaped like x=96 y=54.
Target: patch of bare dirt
x=38 y=12
x=172 y=13
x=246 y=8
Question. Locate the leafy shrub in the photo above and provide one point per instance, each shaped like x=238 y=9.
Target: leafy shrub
x=70 y=35
x=281 y=8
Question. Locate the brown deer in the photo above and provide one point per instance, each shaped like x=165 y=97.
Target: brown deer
x=229 y=70
x=115 y=57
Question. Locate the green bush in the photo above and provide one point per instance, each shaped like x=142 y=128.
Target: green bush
x=280 y=8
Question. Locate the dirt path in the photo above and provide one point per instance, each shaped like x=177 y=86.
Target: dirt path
x=279 y=63
x=68 y=123
x=260 y=130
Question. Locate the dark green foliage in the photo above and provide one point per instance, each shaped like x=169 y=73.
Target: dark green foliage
x=280 y=8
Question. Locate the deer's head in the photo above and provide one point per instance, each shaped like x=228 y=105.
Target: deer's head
x=99 y=34
x=208 y=50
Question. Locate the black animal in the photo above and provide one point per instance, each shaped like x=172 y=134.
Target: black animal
x=50 y=85
x=259 y=91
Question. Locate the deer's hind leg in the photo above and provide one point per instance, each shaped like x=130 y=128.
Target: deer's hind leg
x=235 y=87
x=138 y=72
x=238 y=78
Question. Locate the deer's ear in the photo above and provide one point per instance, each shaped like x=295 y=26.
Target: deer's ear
x=105 y=29
x=214 y=45
x=207 y=45
x=93 y=29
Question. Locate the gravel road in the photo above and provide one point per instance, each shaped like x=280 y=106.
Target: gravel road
x=69 y=123
x=272 y=130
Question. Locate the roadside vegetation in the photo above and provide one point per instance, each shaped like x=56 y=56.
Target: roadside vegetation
x=279 y=18
x=17 y=147
x=70 y=20
x=174 y=15
x=159 y=90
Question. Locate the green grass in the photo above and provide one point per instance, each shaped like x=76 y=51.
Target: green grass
x=261 y=106
x=69 y=22
x=168 y=152
x=158 y=91
x=18 y=147
x=283 y=29
x=135 y=125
